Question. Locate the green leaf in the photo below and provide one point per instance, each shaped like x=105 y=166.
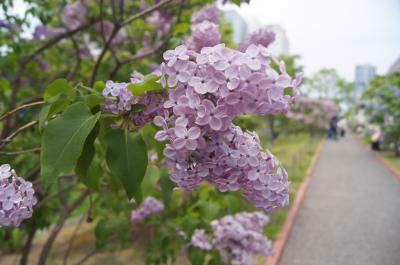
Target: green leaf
x=181 y=28
x=93 y=100
x=127 y=159
x=149 y=83
x=57 y=87
x=85 y=160
x=150 y=180
x=99 y=86
x=196 y=256
x=166 y=185
x=63 y=140
x=103 y=233
x=54 y=105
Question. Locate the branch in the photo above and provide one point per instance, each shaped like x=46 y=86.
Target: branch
x=32 y=150
x=5 y=141
x=145 y=12
x=28 y=244
x=116 y=28
x=28 y=105
x=74 y=71
x=15 y=84
x=134 y=57
x=72 y=239
x=53 y=235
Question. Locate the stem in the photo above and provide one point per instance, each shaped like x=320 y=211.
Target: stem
x=32 y=150
x=5 y=141
x=71 y=241
x=103 y=53
x=53 y=235
x=28 y=245
x=145 y=12
x=28 y=105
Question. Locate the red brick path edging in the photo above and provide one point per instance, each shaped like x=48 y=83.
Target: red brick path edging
x=381 y=159
x=281 y=239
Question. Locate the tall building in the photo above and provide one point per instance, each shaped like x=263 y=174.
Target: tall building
x=281 y=44
x=239 y=25
x=363 y=75
x=395 y=67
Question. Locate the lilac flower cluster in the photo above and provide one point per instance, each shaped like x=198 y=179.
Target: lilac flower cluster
x=316 y=112
x=237 y=238
x=149 y=206
x=262 y=37
x=16 y=197
x=139 y=109
x=205 y=29
x=213 y=87
x=74 y=14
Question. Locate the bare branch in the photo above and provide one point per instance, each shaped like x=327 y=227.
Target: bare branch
x=32 y=150
x=5 y=141
x=145 y=12
x=28 y=105
x=57 y=228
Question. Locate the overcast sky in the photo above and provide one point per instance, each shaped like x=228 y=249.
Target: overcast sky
x=335 y=33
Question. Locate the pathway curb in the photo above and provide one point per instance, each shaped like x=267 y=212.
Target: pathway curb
x=381 y=159
x=281 y=239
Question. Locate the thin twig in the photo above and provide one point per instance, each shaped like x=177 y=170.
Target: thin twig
x=8 y=139
x=53 y=235
x=32 y=150
x=54 y=195
x=103 y=53
x=71 y=241
x=74 y=71
x=28 y=105
x=145 y=12
x=24 y=62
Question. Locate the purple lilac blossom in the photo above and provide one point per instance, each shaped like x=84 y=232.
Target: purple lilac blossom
x=262 y=37
x=120 y=100
x=162 y=22
x=149 y=206
x=209 y=13
x=237 y=238
x=42 y=32
x=16 y=197
x=74 y=14
x=316 y=112
x=203 y=143
x=204 y=34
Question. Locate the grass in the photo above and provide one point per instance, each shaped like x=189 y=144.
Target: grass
x=391 y=158
x=295 y=152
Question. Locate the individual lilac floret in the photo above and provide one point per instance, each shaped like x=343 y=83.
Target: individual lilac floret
x=16 y=197
x=209 y=12
x=262 y=37
x=237 y=238
x=149 y=206
x=74 y=14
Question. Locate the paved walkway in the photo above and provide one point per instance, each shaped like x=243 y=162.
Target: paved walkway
x=350 y=214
